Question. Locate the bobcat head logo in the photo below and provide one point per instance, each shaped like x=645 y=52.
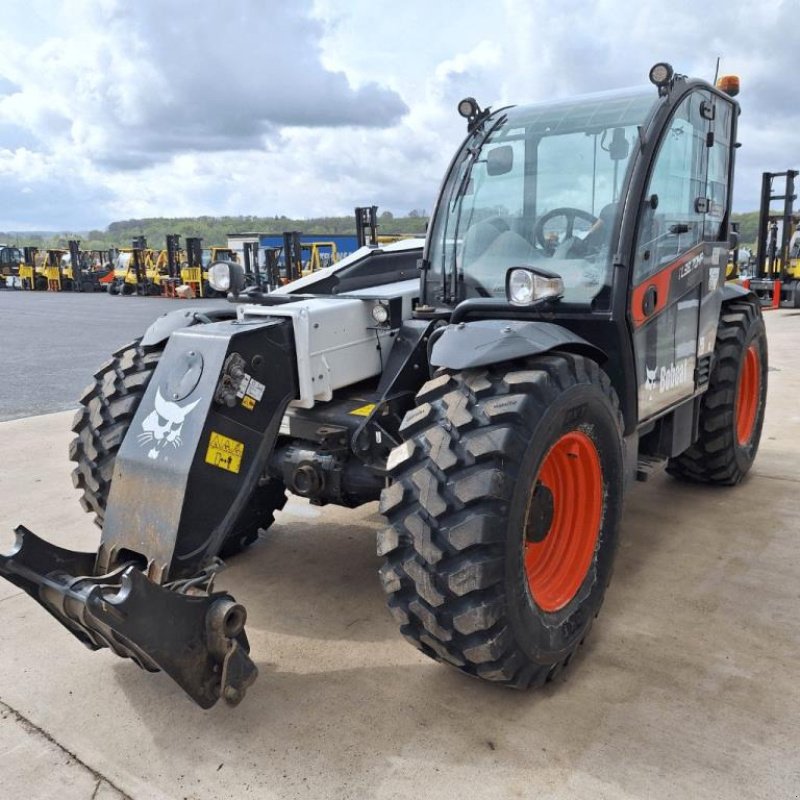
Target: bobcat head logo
x=162 y=426
x=650 y=382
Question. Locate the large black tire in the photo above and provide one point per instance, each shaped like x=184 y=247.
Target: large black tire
x=108 y=406
x=462 y=515
x=732 y=409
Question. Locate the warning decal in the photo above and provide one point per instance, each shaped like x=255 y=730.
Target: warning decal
x=224 y=453
x=363 y=411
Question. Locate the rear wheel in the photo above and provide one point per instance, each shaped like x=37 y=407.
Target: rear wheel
x=732 y=409
x=107 y=409
x=504 y=511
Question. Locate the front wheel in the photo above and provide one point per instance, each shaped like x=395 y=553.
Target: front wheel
x=504 y=512
x=732 y=409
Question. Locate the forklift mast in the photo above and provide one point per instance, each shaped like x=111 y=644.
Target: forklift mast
x=272 y=268
x=251 y=266
x=173 y=245
x=138 y=245
x=773 y=260
x=194 y=252
x=367 y=226
x=75 y=262
x=292 y=255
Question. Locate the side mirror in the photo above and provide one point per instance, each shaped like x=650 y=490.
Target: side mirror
x=500 y=160
x=619 y=147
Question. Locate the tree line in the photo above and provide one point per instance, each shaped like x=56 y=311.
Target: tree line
x=214 y=230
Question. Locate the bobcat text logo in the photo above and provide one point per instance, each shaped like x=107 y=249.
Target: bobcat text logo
x=667 y=378
x=162 y=426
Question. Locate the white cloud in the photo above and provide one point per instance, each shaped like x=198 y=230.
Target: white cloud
x=114 y=110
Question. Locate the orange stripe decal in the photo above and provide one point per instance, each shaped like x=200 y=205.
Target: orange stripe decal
x=661 y=282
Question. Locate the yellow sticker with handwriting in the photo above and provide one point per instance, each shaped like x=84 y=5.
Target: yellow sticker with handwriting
x=249 y=402
x=224 y=453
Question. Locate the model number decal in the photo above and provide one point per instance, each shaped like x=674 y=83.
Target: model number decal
x=690 y=266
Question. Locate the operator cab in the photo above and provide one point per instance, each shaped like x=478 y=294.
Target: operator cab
x=607 y=213
x=539 y=185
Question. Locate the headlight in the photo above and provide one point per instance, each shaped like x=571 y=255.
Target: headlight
x=219 y=277
x=526 y=286
x=380 y=313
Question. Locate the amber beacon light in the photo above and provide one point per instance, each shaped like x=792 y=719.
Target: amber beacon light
x=729 y=84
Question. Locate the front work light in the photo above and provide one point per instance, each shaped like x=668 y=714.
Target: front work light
x=469 y=107
x=526 y=286
x=661 y=74
x=380 y=313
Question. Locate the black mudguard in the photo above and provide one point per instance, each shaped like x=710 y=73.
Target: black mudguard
x=492 y=341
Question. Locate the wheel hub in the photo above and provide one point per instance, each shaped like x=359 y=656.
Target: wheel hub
x=562 y=521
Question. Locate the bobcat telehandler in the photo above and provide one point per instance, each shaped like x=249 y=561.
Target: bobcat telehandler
x=566 y=328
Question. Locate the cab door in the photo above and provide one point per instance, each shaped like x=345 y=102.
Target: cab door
x=670 y=260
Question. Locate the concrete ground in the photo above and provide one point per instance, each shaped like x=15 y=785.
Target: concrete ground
x=688 y=686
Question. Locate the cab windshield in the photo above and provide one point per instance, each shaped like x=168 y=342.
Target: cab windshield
x=538 y=186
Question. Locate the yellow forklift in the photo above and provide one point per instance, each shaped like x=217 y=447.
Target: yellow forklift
x=54 y=270
x=134 y=270
x=31 y=271
x=320 y=255
x=84 y=270
x=776 y=280
x=191 y=273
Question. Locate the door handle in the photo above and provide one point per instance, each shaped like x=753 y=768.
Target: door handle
x=650 y=301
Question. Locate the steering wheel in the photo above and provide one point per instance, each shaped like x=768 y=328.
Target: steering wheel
x=571 y=215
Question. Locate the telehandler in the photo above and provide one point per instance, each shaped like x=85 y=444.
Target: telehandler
x=565 y=329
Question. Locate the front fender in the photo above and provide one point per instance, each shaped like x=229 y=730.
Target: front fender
x=173 y=321
x=491 y=341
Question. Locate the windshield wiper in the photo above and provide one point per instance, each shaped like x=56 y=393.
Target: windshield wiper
x=474 y=152
x=457 y=197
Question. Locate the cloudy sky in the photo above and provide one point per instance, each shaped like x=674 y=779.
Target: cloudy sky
x=112 y=109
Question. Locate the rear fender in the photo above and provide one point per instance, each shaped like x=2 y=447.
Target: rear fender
x=491 y=341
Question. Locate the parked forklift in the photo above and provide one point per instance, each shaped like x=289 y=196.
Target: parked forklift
x=776 y=280
x=31 y=273
x=54 y=269
x=565 y=329
x=83 y=271
x=135 y=271
x=10 y=260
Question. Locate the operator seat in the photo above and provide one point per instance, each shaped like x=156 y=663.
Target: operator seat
x=598 y=236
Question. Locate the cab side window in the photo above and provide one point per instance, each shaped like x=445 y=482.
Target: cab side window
x=672 y=222
x=718 y=158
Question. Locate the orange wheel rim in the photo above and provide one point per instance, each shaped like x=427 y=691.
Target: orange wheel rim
x=748 y=395
x=562 y=521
